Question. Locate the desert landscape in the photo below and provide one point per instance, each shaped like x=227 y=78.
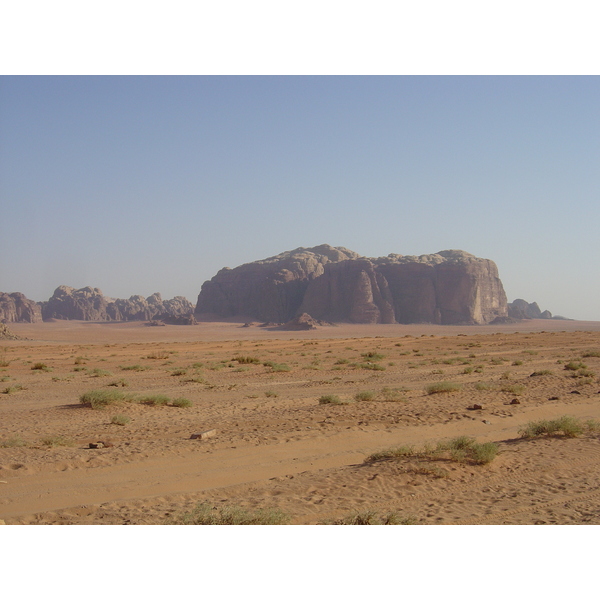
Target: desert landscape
x=119 y=423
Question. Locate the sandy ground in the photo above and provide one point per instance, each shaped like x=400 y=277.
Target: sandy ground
x=275 y=445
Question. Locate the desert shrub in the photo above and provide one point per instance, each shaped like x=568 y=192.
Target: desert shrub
x=478 y=369
x=586 y=354
x=80 y=360
x=178 y=372
x=581 y=373
x=482 y=386
x=566 y=426
x=530 y=352
x=78 y=369
x=460 y=449
x=56 y=440
x=271 y=394
x=373 y=356
x=342 y=361
x=393 y=394
x=120 y=420
x=13 y=389
x=181 y=403
x=365 y=396
x=372 y=517
x=101 y=398
x=443 y=387
x=437 y=372
x=541 y=373
x=331 y=399
x=575 y=365
x=118 y=383
x=158 y=355
x=133 y=368
x=517 y=363
x=13 y=442
x=391 y=453
x=467 y=370
x=206 y=514
x=515 y=389
x=153 y=400
x=246 y=360
x=100 y=373
x=40 y=367
x=280 y=368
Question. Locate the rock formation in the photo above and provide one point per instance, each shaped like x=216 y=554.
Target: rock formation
x=89 y=304
x=303 y=322
x=7 y=334
x=336 y=284
x=16 y=308
x=270 y=289
x=521 y=309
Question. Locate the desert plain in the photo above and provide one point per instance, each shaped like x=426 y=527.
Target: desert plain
x=300 y=424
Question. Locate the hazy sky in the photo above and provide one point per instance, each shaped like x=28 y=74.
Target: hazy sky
x=144 y=184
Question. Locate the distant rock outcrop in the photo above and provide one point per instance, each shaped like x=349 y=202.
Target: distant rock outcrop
x=303 y=322
x=336 y=284
x=521 y=309
x=7 y=334
x=16 y=308
x=89 y=304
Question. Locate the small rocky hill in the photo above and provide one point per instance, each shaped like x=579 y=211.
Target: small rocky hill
x=338 y=285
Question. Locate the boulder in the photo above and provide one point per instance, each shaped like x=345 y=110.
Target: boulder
x=16 y=308
x=303 y=322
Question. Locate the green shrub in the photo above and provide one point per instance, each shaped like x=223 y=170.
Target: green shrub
x=134 y=368
x=331 y=399
x=13 y=442
x=515 y=389
x=373 y=356
x=181 y=403
x=541 y=373
x=158 y=355
x=206 y=514
x=246 y=360
x=391 y=453
x=153 y=400
x=364 y=396
x=517 y=363
x=40 y=367
x=120 y=420
x=178 y=372
x=566 y=426
x=443 y=387
x=393 y=394
x=467 y=370
x=271 y=394
x=587 y=354
x=575 y=365
x=13 y=388
x=101 y=398
x=100 y=373
x=372 y=517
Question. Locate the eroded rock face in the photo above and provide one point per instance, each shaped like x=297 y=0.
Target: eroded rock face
x=268 y=290
x=335 y=284
x=16 y=308
x=89 y=304
x=7 y=334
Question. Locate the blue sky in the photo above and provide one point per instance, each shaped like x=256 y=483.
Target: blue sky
x=144 y=184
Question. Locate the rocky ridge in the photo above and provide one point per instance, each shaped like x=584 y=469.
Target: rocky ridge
x=90 y=304
x=338 y=285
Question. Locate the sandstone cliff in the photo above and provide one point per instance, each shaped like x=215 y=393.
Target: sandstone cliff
x=270 y=289
x=90 y=304
x=16 y=308
x=335 y=284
